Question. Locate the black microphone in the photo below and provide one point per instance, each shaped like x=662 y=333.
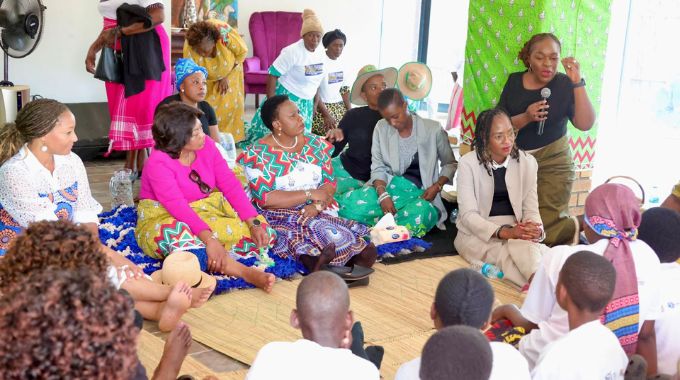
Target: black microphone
x=545 y=94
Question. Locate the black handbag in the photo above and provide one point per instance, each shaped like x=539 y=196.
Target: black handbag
x=110 y=66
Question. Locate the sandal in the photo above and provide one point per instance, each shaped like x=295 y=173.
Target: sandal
x=356 y=272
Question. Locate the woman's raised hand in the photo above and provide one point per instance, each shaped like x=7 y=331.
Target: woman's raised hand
x=572 y=68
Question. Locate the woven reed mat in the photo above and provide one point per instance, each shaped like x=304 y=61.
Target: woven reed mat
x=394 y=311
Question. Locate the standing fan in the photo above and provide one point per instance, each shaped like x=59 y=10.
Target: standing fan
x=21 y=25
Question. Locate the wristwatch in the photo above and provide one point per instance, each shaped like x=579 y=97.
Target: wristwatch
x=256 y=223
x=579 y=84
x=308 y=195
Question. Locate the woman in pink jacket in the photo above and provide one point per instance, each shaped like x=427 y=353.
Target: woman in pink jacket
x=191 y=199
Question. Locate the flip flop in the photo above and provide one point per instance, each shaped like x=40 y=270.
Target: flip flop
x=356 y=272
x=356 y=283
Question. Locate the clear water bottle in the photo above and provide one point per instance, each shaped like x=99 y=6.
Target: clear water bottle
x=454 y=216
x=486 y=269
x=227 y=142
x=653 y=199
x=120 y=187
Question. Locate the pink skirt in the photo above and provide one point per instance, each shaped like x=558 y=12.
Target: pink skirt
x=132 y=118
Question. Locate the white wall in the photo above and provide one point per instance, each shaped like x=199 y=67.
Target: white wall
x=360 y=20
x=56 y=69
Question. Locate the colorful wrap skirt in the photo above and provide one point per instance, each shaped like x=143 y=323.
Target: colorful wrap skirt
x=299 y=235
x=158 y=233
x=416 y=214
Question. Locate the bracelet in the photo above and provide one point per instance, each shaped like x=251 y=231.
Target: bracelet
x=439 y=186
x=384 y=196
x=308 y=195
x=581 y=83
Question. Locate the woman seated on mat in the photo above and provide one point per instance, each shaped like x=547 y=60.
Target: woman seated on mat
x=291 y=181
x=407 y=153
x=180 y=210
x=352 y=166
x=498 y=220
x=191 y=82
x=45 y=180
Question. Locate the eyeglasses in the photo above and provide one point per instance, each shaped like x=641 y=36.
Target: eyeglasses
x=195 y=178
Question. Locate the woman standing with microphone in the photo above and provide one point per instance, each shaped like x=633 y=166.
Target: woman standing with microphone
x=526 y=103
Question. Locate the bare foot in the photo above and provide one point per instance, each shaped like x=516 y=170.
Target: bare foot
x=199 y=296
x=174 y=352
x=327 y=255
x=177 y=304
x=262 y=280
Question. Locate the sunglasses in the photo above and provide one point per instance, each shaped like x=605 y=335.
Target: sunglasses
x=195 y=178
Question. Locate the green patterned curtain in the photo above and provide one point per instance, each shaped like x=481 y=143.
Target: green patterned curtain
x=497 y=30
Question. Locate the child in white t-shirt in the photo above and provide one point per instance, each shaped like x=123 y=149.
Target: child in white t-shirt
x=612 y=215
x=660 y=228
x=589 y=350
x=322 y=313
x=464 y=297
x=457 y=352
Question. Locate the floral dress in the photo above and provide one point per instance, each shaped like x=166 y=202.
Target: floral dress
x=30 y=193
x=269 y=169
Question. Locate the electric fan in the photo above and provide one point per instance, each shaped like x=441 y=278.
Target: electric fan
x=21 y=25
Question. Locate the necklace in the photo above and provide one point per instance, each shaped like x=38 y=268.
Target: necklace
x=283 y=146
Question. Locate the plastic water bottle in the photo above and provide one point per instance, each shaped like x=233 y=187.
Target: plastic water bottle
x=653 y=199
x=227 y=142
x=120 y=187
x=486 y=269
x=454 y=216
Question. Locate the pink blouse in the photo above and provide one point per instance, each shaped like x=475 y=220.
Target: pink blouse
x=166 y=181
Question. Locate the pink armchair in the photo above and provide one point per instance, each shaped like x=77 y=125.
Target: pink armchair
x=270 y=32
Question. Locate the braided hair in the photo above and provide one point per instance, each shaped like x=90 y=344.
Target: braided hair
x=35 y=120
x=525 y=52
x=464 y=297
x=483 y=135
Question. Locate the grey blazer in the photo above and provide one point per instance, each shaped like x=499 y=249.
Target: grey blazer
x=433 y=150
x=475 y=194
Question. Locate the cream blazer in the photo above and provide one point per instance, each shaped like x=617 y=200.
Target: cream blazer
x=476 y=188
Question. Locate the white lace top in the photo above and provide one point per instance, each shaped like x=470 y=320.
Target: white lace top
x=29 y=192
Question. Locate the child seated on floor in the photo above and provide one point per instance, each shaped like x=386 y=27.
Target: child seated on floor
x=322 y=314
x=457 y=352
x=660 y=228
x=589 y=350
x=464 y=297
x=91 y=330
x=65 y=245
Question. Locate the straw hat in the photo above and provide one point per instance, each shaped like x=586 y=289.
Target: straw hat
x=310 y=23
x=183 y=266
x=365 y=73
x=414 y=80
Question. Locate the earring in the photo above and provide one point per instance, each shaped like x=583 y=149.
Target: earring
x=43 y=148
x=278 y=133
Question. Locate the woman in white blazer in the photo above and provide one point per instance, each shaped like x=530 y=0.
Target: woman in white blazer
x=498 y=219
x=411 y=160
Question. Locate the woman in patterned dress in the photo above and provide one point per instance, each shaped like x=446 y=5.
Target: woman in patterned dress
x=291 y=181
x=218 y=47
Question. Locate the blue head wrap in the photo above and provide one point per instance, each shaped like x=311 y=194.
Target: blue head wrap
x=185 y=67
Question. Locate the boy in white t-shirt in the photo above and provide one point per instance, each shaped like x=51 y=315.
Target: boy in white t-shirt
x=457 y=352
x=322 y=313
x=660 y=228
x=589 y=350
x=464 y=297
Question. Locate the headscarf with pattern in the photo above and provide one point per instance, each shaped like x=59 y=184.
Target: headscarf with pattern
x=612 y=211
x=185 y=67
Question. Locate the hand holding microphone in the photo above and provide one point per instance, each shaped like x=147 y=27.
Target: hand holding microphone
x=538 y=111
x=545 y=94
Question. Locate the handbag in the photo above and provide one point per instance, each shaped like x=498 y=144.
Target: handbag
x=110 y=65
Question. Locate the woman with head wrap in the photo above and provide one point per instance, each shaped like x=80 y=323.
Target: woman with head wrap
x=612 y=218
x=191 y=82
x=332 y=100
x=219 y=48
x=660 y=228
x=297 y=73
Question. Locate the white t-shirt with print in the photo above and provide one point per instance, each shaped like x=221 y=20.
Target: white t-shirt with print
x=508 y=363
x=329 y=91
x=591 y=351
x=307 y=360
x=540 y=305
x=301 y=70
x=667 y=325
